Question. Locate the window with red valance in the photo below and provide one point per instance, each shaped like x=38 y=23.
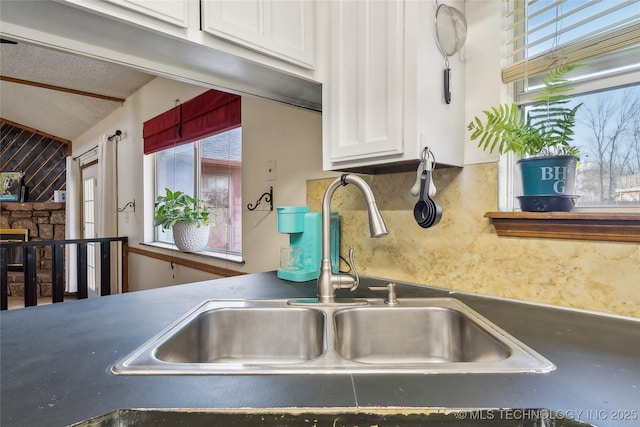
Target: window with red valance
x=208 y=114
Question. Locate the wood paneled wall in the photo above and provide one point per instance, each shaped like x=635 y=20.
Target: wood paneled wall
x=40 y=156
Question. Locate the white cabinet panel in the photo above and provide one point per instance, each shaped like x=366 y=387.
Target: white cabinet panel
x=365 y=95
x=171 y=11
x=383 y=98
x=280 y=28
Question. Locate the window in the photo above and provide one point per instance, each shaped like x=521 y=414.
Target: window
x=198 y=150
x=89 y=229
x=608 y=135
x=211 y=169
x=221 y=188
x=605 y=36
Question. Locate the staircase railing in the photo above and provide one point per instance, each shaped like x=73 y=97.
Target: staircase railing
x=29 y=267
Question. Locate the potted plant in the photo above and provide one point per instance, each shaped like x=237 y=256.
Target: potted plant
x=186 y=216
x=543 y=139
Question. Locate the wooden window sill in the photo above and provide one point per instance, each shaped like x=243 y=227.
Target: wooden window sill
x=610 y=227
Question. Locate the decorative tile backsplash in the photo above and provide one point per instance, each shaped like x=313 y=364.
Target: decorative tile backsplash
x=464 y=253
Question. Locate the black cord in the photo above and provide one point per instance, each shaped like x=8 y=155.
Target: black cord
x=346 y=262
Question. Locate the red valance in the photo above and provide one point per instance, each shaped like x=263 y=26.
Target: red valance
x=162 y=131
x=208 y=114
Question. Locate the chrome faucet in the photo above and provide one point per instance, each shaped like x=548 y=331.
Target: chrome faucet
x=328 y=282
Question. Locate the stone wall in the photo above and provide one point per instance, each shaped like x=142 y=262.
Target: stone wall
x=45 y=221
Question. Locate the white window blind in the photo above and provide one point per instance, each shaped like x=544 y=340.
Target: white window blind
x=548 y=33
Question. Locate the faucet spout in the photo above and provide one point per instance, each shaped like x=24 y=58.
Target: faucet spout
x=328 y=282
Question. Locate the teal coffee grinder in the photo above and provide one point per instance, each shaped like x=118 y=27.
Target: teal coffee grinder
x=300 y=261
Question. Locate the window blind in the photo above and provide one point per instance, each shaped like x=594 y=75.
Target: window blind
x=208 y=114
x=548 y=33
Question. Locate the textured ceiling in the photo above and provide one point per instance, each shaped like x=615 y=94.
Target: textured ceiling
x=57 y=113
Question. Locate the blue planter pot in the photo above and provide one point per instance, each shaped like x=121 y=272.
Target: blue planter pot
x=548 y=176
x=551 y=179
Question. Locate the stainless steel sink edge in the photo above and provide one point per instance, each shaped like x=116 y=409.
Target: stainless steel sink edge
x=520 y=354
x=143 y=360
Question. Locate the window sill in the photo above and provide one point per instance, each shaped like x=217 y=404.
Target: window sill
x=237 y=259
x=185 y=261
x=608 y=227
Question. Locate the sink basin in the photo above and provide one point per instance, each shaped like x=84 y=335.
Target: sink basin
x=232 y=336
x=408 y=335
x=246 y=335
x=418 y=335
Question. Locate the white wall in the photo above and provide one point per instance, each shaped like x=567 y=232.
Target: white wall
x=271 y=131
x=482 y=55
x=293 y=138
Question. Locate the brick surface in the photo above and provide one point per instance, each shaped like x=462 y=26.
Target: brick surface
x=43 y=290
x=57 y=217
x=59 y=232
x=45 y=231
x=48 y=206
x=28 y=224
x=21 y=214
x=15 y=206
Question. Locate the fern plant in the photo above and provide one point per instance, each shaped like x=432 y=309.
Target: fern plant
x=176 y=206
x=546 y=131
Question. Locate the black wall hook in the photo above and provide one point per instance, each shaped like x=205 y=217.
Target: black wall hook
x=117 y=134
x=268 y=197
x=131 y=204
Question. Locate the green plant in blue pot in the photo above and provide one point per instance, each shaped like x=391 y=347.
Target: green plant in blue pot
x=544 y=140
x=187 y=217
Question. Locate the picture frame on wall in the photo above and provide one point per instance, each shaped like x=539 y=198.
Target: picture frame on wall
x=11 y=186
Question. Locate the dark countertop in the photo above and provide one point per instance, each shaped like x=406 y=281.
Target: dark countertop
x=55 y=360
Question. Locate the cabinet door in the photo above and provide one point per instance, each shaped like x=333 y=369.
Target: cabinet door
x=365 y=85
x=280 y=28
x=171 y=11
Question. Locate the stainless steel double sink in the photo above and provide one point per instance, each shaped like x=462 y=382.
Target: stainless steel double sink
x=416 y=335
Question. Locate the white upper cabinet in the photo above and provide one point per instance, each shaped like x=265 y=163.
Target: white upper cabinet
x=172 y=11
x=280 y=28
x=179 y=14
x=279 y=34
x=383 y=94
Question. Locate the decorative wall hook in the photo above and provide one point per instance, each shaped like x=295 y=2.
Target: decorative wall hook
x=268 y=197
x=117 y=135
x=131 y=204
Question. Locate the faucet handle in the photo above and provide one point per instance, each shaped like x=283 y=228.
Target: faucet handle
x=352 y=266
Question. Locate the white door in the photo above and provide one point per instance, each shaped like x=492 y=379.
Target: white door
x=90 y=226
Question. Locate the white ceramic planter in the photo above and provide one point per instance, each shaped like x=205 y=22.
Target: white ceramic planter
x=189 y=237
